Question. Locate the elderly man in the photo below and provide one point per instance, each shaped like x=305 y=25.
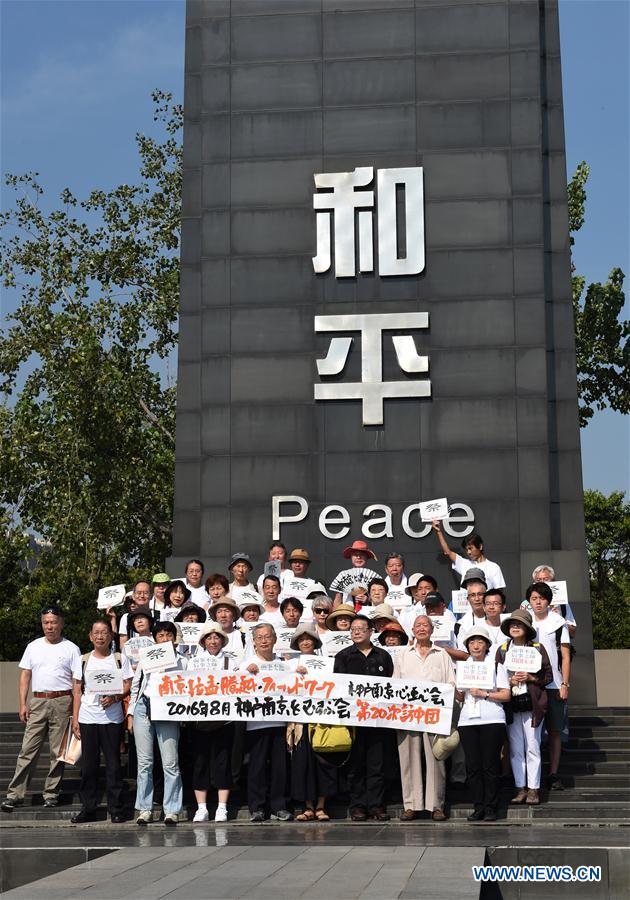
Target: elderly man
x=422 y=661
x=47 y=668
x=266 y=744
x=366 y=767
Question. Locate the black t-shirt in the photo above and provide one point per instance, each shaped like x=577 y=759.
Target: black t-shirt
x=351 y=661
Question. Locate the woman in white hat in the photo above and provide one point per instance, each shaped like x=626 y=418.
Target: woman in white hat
x=211 y=741
x=482 y=729
x=528 y=705
x=313 y=778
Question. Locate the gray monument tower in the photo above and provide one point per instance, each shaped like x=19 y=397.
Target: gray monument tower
x=376 y=298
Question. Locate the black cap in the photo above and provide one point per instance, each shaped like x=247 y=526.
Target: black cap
x=52 y=610
x=433 y=598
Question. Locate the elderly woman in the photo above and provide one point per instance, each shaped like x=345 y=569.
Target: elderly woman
x=313 y=777
x=322 y=608
x=481 y=729
x=212 y=741
x=528 y=706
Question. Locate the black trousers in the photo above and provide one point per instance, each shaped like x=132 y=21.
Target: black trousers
x=212 y=747
x=267 y=769
x=366 y=769
x=482 y=749
x=95 y=738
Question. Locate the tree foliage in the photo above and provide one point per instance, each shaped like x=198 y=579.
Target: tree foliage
x=607 y=523
x=602 y=339
x=87 y=427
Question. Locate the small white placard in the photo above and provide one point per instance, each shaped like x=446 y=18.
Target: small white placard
x=316 y=664
x=434 y=509
x=560 y=593
x=442 y=628
x=335 y=641
x=134 y=645
x=206 y=663
x=275 y=665
x=460 y=601
x=241 y=594
x=103 y=681
x=398 y=598
x=297 y=587
x=273 y=567
x=523 y=659
x=284 y=638
x=110 y=596
x=169 y=613
x=190 y=632
x=474 y=674
x=393 y=651
x=158 y=657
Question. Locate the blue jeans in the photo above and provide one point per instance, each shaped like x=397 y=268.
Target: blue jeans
x=167 y=734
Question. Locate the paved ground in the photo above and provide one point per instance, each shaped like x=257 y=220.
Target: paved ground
x=279 y=862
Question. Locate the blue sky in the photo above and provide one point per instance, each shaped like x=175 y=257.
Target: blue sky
x=76 y=82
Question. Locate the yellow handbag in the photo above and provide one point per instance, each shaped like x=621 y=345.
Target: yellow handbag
x=331 y=738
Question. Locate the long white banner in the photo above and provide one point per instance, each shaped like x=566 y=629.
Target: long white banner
x=284 y=696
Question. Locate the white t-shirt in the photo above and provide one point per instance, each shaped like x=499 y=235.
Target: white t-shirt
x=496 y=635
x=91 y=712
x=546 y=631
x=569 y=617
x=273 y=618
x=402 y=585
x=198 y=595
x=493 y=573
x=490 y=712
x=52 y=666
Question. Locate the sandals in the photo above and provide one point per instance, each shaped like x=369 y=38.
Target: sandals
x=307 y=816
x=321 y=815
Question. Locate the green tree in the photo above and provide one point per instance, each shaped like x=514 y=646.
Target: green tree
x=607 y=525
x=602 y=340
x=87 y=430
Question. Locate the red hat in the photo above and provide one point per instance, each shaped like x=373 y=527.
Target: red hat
x=358 y=545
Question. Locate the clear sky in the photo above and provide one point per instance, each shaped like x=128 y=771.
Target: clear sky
x=76 y=82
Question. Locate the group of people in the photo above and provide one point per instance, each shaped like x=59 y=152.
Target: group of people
x=365 y=624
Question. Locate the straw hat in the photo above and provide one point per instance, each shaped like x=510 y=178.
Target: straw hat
x=212 y=628
x=384 y=611
x=344 y=609
x=302 y=630
x=223 y=601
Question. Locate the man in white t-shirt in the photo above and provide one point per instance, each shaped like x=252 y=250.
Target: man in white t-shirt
x=474 y=548
x=97 y=721
x=47 y=667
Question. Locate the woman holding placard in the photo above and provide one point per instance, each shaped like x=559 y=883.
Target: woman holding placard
x=144 y=730
x=482 y=722
x=528 y=702
x=212 y=741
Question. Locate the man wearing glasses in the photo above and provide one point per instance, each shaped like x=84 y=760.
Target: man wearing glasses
x=368 y=757
x=47 y=668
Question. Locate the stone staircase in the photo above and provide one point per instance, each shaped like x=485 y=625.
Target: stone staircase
x=595 y=768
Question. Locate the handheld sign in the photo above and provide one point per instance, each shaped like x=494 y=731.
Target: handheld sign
x=206 y=663
x=297 y=587
x=397 y=597
x=433 y=509
x=103 y=681
x=316 y=664
x=110 y=596
x=560 y=593
x=474 y=674
x=274 y=665
x=134 y=645
x=273 y=567
x=460 y=601
x=335 y=641
x=442 y=628
x=283 y=643
x=523 y=659
x=190 y=631
x=158 y=657
x=351 y=578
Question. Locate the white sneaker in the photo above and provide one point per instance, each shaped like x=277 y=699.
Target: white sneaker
x=220 y=815
x=201 y=815
x=171 y=819
x=145 y=817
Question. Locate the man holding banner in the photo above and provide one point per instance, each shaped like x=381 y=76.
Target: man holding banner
x=366 y=767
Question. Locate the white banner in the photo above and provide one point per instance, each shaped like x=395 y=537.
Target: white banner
x=110 y=596
x=158 y=657
x=523 y=659
x=103 y=681
x=272 y=696
x=474 y=674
